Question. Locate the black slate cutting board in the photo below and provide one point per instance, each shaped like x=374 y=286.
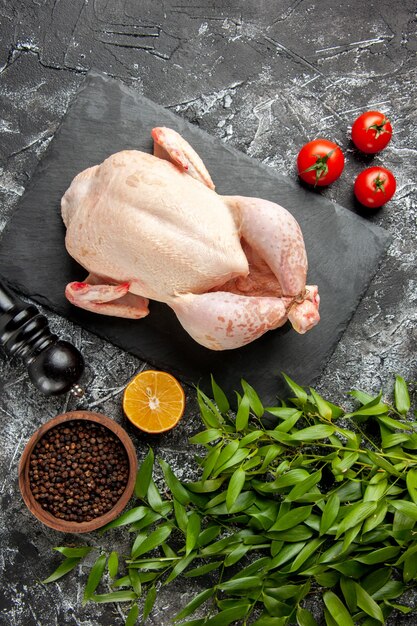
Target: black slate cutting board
x=106 y=116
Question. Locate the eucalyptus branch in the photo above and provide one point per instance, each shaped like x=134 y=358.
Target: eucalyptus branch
x=275 y=514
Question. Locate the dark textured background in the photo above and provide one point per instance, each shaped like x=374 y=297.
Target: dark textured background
x=264 y=77
x=37 y=264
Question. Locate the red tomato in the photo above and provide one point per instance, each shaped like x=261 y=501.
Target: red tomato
x=320 y=162
x=371 y=132
x=374 y=187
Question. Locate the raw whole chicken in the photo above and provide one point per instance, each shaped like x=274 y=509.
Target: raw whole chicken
x=152 y=227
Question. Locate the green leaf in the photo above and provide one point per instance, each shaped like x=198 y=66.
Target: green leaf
x=181 y=516
x=410 y=569
x=227 y=453
x=311 y=433
x=376 y=488
x=287 y=553
x=281 y=437
x=242 y=415
x=329 y=619
x=129 y=517
x=411 y=551
x=327 y=578
x=180 y=567
x=154 y=540
x=337 y=609
x=376 y=579
x=382 y=462
x=341 y=466
x=305 y=617
x=370 y=410
x=400 y=607
x=244 y=500
x=292 y=518
x=134 y=578
x=298 y=533
x=322 y=405
x=219 y=396
x=375 y=519
x=347 y=586
x=177 y=489
x=241 y=584
x=150 y=518
x=74 y=553
x=168 y=551
x=256 y=567
x=268 y=620
x=209 y=412
x=392 y=589
x=402 y=397
x=288 y=479
x=208 y=534
x=283 y=412
x=349 y=491
x=305 y=485
x=407 y=508
x=392 y=424
x=154 y=497
x=149 y=602
x=368 y=604
x=305 y=553
x=274 y=607
x=202 y=570
x=235 y=555
x=124 y=581
x=210 y=460
x=94 y=577
x=193 y=531
x=356 y=514
x=271 y=453
x=114 y=596
x=132 y=616
x=219 y=546
x=254 y=435
x=206 y=436
x=411 y=481
x=411 y=444
x=113 y=564
x=254 y=400
x=226 y=617
x=206 y=486
x=349 y=568
x=379 y=556
x=236 y=458
x=194 y=604
x=330 y=511
x=144 y=475
x=298 y=391
x=289 y=423
x=364 y=398
x=65 y=567
x=395 y=439
x=235 y=486
x=350 y=535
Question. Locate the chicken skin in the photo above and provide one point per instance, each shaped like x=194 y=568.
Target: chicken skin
x=151 y=227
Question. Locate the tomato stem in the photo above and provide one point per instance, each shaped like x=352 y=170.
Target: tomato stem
x=379 y=128
x=379 y=184
x=320 y=166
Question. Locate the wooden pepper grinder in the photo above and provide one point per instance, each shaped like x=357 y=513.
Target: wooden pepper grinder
x=54 y=366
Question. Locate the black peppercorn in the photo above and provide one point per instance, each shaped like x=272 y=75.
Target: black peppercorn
x=62 y=466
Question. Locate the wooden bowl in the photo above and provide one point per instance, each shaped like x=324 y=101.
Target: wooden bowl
x=69 y=526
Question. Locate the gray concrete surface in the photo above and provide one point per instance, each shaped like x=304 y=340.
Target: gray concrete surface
x=264 y=77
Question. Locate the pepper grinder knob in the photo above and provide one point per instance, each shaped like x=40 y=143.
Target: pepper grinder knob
x=54 y=366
